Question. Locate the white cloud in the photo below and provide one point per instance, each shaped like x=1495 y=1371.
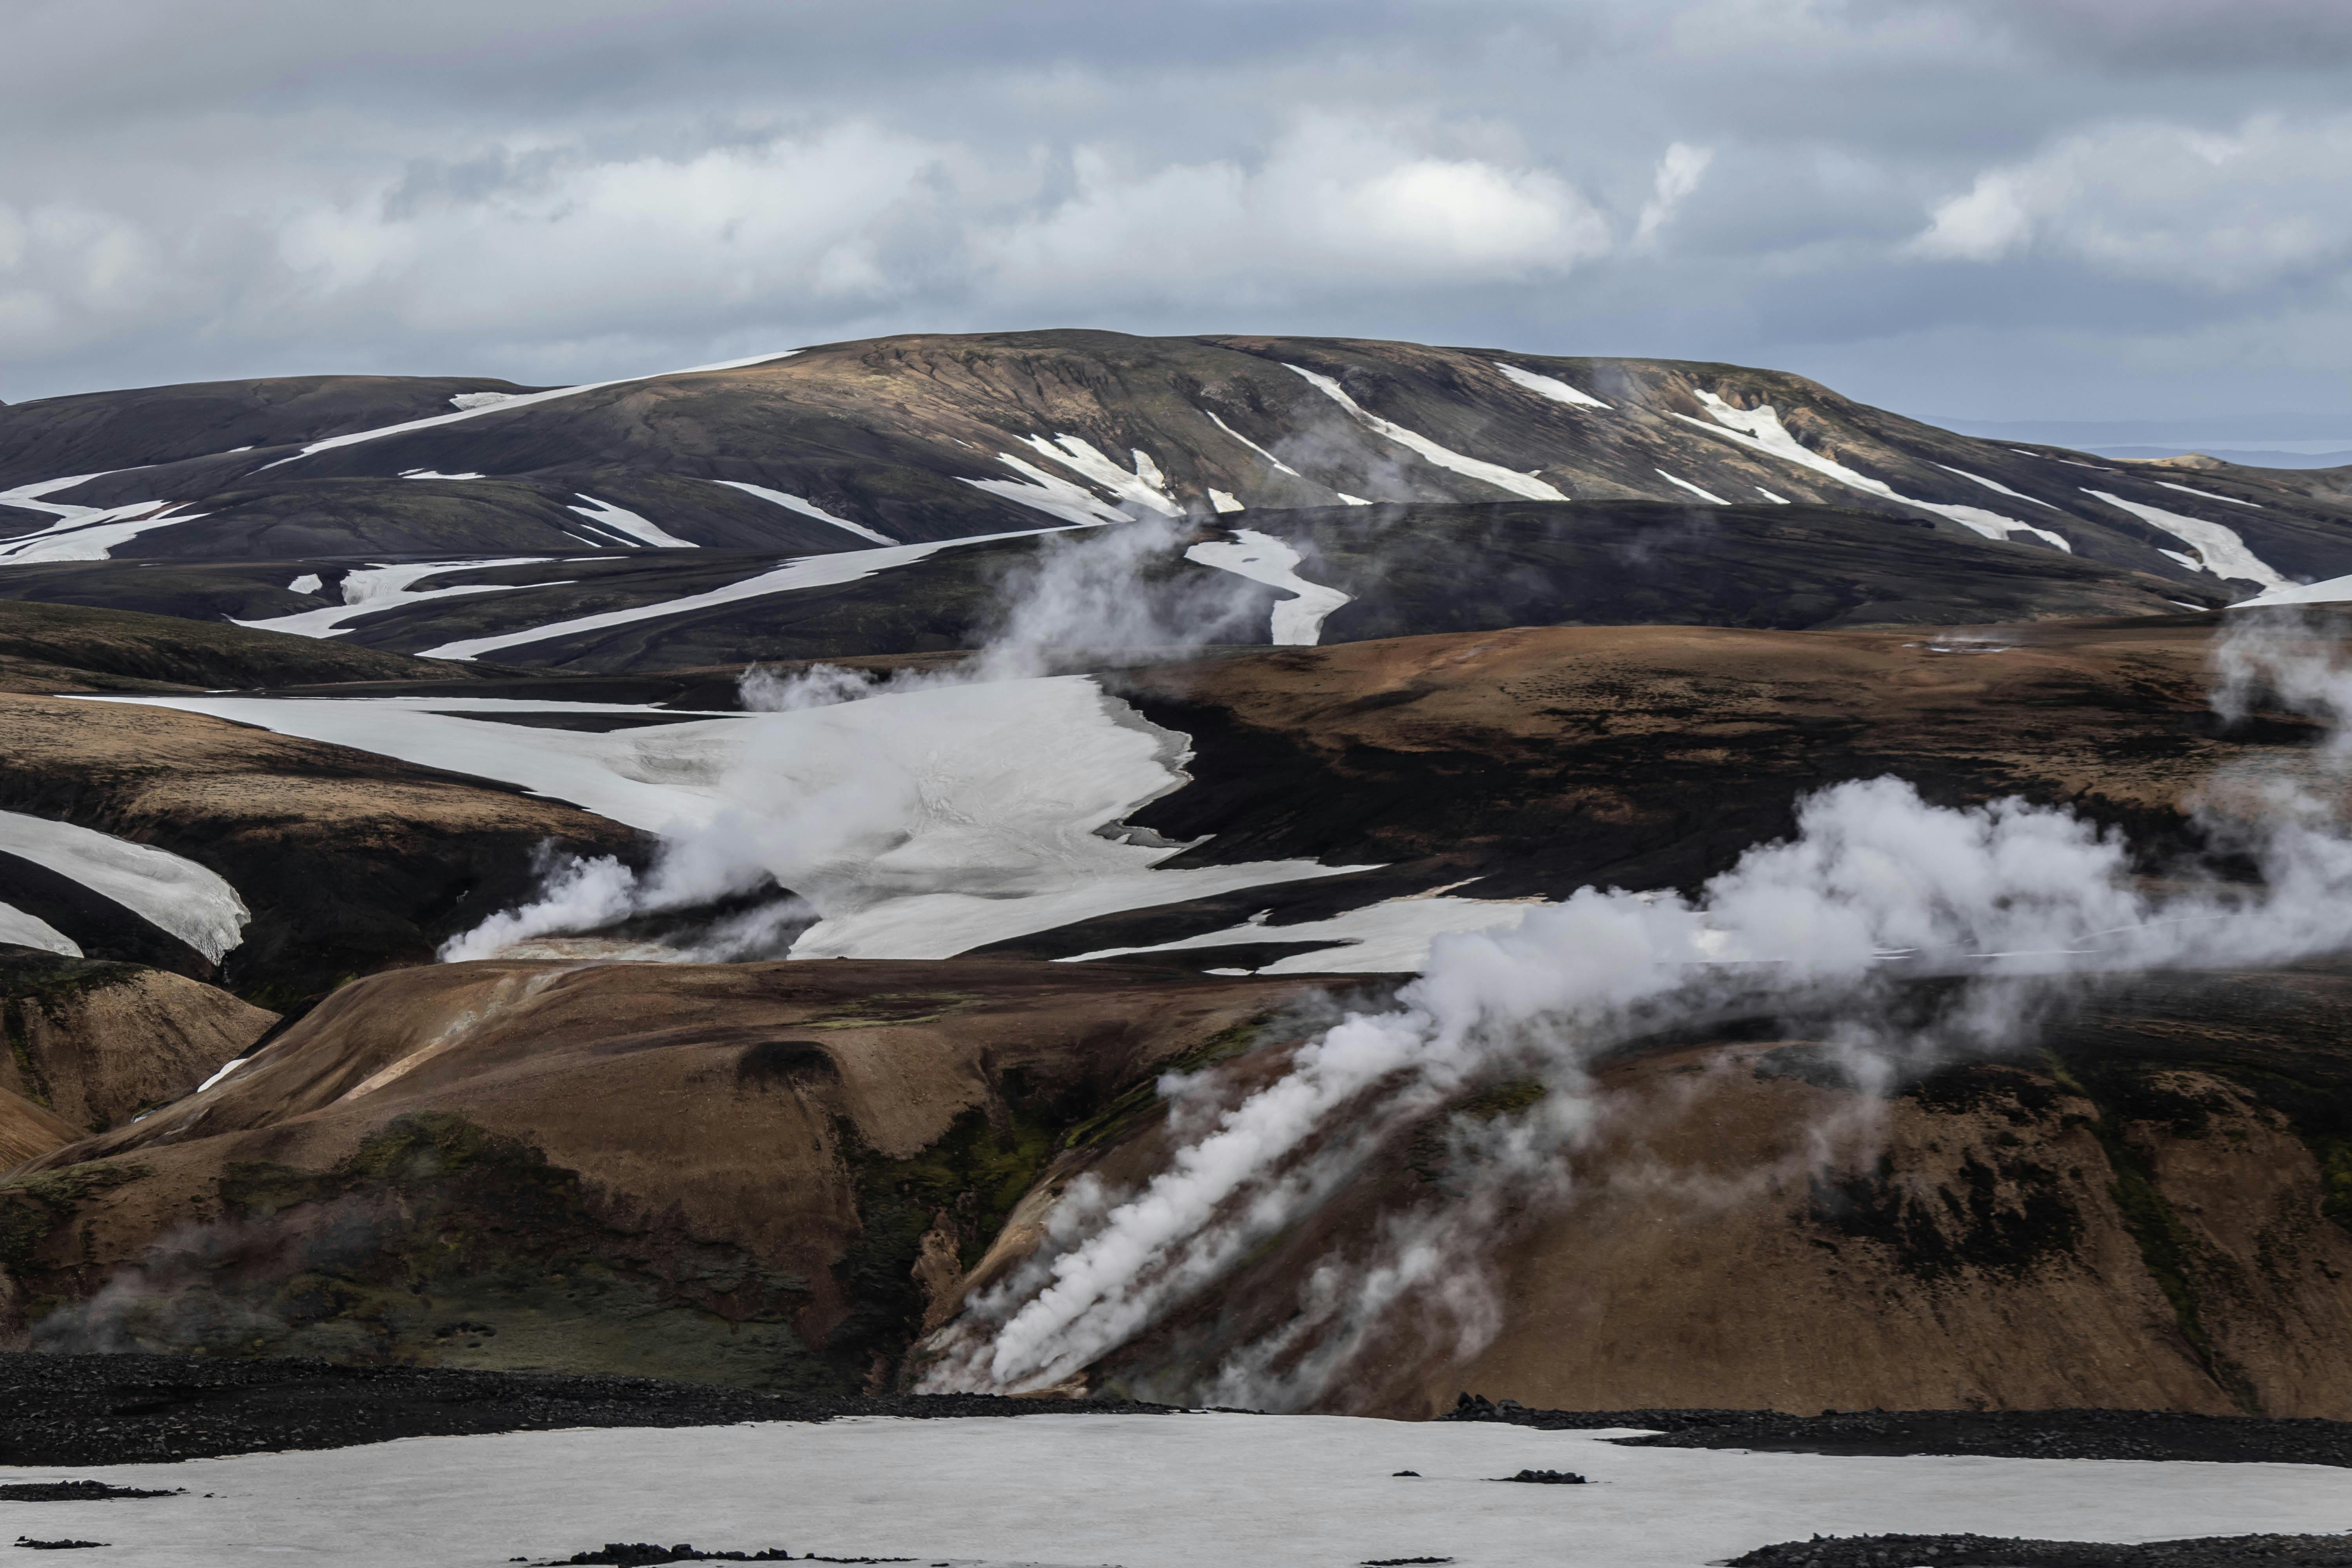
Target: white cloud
x=2166 y=203
x=1333 y=203
x=1679 y=173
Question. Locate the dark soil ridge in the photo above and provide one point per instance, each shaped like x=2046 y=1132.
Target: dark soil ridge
x=109 y=1409
x=1998 y=1434
x=1992 y=1551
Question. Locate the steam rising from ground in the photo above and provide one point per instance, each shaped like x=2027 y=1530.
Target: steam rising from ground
x=1084 y=599
x=2019 y=903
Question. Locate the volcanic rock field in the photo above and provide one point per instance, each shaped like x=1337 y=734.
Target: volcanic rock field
x=1067 y=873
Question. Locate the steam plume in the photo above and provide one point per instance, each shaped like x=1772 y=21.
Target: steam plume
x=2017 y=902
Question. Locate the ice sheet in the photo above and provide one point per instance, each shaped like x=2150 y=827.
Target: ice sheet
x=1703 y=495
x=1759 y=429
x=374 y=588
x=1501 y=478
x=807 y=508
x=1549 y=386
x=2225 y=555
x=1388 y=938
x=808 y=572
x=1262 y=558
x=175 y=894
x=628 y=524
x=1146 y=1491
x=920 y=825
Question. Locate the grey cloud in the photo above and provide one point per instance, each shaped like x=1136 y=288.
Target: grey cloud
x=550 y=189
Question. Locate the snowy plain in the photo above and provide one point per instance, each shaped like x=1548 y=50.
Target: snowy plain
x=1146 y=1491
x=920 y=823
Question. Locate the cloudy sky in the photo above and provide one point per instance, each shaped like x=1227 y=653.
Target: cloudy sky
x=1986 y=209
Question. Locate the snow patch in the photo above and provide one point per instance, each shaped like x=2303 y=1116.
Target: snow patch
x=628 y=524
x=309 y=583
x=1760 y=430
x=1049 y=493
x=2209 y=495
x=374 y=588
x=1768 y=495
x=174 y=894
x=1703 y=495
x=2330 y=591
x=472 y=400
x=511 y=400
x=1996 y=486
x=1388 y=938
x=81 y=532
x=1279 y=466
x=1501 y=478
x=2224 y=553
x=1223 y=501
x=1145 y=487
x=1347 y=500
x=1297 y=622
x=21 y=929
x=807 y=508
x=825 y=570
x=429 y=474
x=1549 y=386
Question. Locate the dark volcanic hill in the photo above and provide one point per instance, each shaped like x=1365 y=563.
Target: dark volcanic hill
x=428 y=514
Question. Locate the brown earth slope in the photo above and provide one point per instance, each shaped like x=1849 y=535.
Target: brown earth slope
x=764 y=1173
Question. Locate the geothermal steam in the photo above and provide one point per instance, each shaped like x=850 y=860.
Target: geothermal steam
x=2018 y=902
x=1085 y=598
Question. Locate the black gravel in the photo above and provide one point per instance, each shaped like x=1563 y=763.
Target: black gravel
x=2006 y=1433
x=142 y=1409
x=1988 y=1551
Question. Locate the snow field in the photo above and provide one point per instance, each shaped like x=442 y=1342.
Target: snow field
x=1145 y=1491
x=1262 y=558
x=174 y=894
x=1277 y=464
x=920 y=825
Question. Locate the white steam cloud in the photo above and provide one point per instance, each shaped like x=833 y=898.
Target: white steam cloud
x=1084 y=599
x=2020 y=901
